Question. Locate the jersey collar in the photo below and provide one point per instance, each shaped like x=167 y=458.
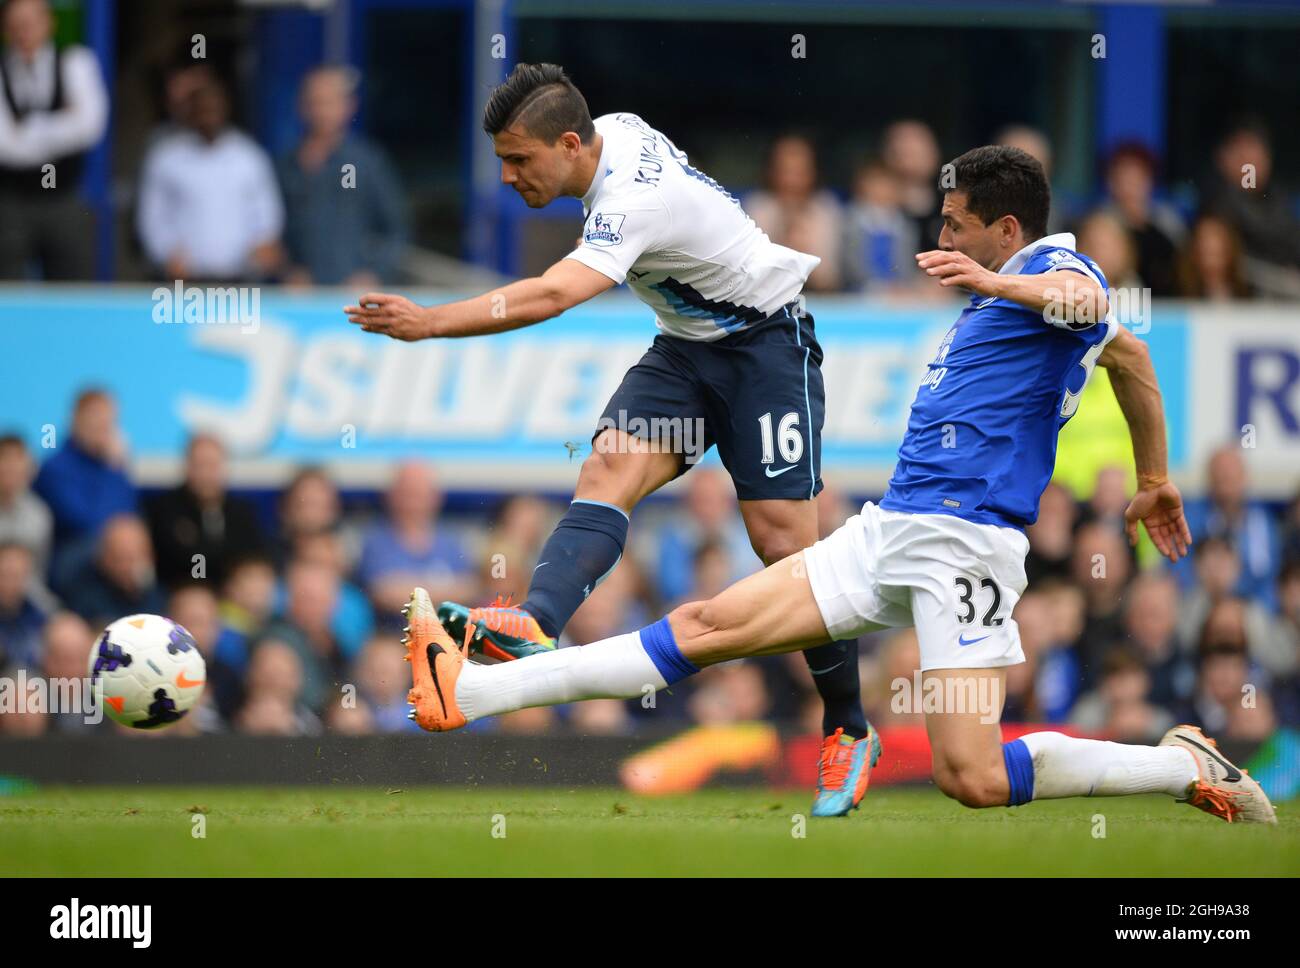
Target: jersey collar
x=602 y=170
x=1062 y=240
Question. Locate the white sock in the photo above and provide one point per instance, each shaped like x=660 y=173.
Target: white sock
x=1068 y=767
x=614 y=668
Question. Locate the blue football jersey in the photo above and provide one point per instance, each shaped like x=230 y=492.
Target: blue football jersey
x=981 y=436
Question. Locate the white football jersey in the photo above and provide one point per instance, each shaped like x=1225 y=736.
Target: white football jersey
x=682 y=243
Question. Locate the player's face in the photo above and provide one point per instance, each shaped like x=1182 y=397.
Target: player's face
x=536 y=170
x=965 y=232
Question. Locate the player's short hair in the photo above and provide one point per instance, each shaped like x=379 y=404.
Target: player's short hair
x=541 y=99
x=1000 y=180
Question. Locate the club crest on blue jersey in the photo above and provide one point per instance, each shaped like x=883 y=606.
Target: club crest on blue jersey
x=604 y=229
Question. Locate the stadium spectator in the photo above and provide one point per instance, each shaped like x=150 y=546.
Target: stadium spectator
x=1100 y=566
x=1119 y=706
x=1290 y=535
x=276 y=682
x=247 y=605
x=1038 y=146
x=880 y=240
x=1156 y=228
x=345 y=213
x=409 y=548
x=305 y=626
x=1034 y=619
x=210 y=208
x=1227 y=511
x=196 y=609
x=65 y=654
x=84 y=483
x=310 y=504
x=53 y=111
x=910 y=151
x=22 y=614
x=795 y=212
x=353 y=620
x=120 y=579
x=521 y=524
x=198 y=528
x=382 y=679
x=1104 y=237
x=24 y=518
x=1211 y=265
x=1151 y=610
x=180 y=80
x=1059 y=680
x=1223 y=675
x=1244 y=194
x=710 y=506
x=1109 y=498
x=1051 y=537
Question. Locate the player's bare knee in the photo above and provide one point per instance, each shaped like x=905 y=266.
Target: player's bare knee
x=604 y=474
x=705 y=631
x=971 y=787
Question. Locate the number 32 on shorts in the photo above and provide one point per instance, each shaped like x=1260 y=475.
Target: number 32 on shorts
x=967 y=607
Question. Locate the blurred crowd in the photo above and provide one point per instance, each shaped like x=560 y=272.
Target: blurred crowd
x=212 y=205
x=294 y=598
x=1239 y=239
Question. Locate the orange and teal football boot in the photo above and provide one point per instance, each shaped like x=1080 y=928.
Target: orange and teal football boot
x=502 y=631
x=844 y=772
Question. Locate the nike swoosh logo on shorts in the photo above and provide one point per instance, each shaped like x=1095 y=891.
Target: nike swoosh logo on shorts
x=768 y=470
x=961 y=639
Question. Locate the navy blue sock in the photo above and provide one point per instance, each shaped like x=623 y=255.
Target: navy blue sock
x=835 y=673
x=584 y=548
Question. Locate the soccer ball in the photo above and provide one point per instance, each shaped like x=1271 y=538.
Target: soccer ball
x=150 y=670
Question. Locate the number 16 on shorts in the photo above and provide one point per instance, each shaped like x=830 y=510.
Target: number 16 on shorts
x=788 y=438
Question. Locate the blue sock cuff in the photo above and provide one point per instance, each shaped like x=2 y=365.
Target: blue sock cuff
x=1020 y=771
x=659 y=644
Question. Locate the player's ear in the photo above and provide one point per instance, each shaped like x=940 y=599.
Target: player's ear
x=1009 y=232
x=571 y=143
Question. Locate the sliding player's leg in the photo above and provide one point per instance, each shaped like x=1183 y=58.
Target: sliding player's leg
x=973 y=766
x=850 y=747
x=585 y=546
x=769 y=612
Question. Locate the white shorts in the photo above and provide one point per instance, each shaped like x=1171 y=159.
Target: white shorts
x=955 y=580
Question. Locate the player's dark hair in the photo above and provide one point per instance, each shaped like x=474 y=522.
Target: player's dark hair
x=1000 y=180
x=543 y=101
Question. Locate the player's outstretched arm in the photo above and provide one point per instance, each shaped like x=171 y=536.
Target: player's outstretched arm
x=515 y=306
x=1062 y=296
x=1158 y=505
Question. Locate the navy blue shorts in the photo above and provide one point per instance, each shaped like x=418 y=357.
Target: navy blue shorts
x=757 y=394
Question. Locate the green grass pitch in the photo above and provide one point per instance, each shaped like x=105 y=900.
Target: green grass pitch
x=433 y=831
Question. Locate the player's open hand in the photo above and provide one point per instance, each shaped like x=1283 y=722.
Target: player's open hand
x=957 y=269
x=394 y=316
x=1159 y=507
